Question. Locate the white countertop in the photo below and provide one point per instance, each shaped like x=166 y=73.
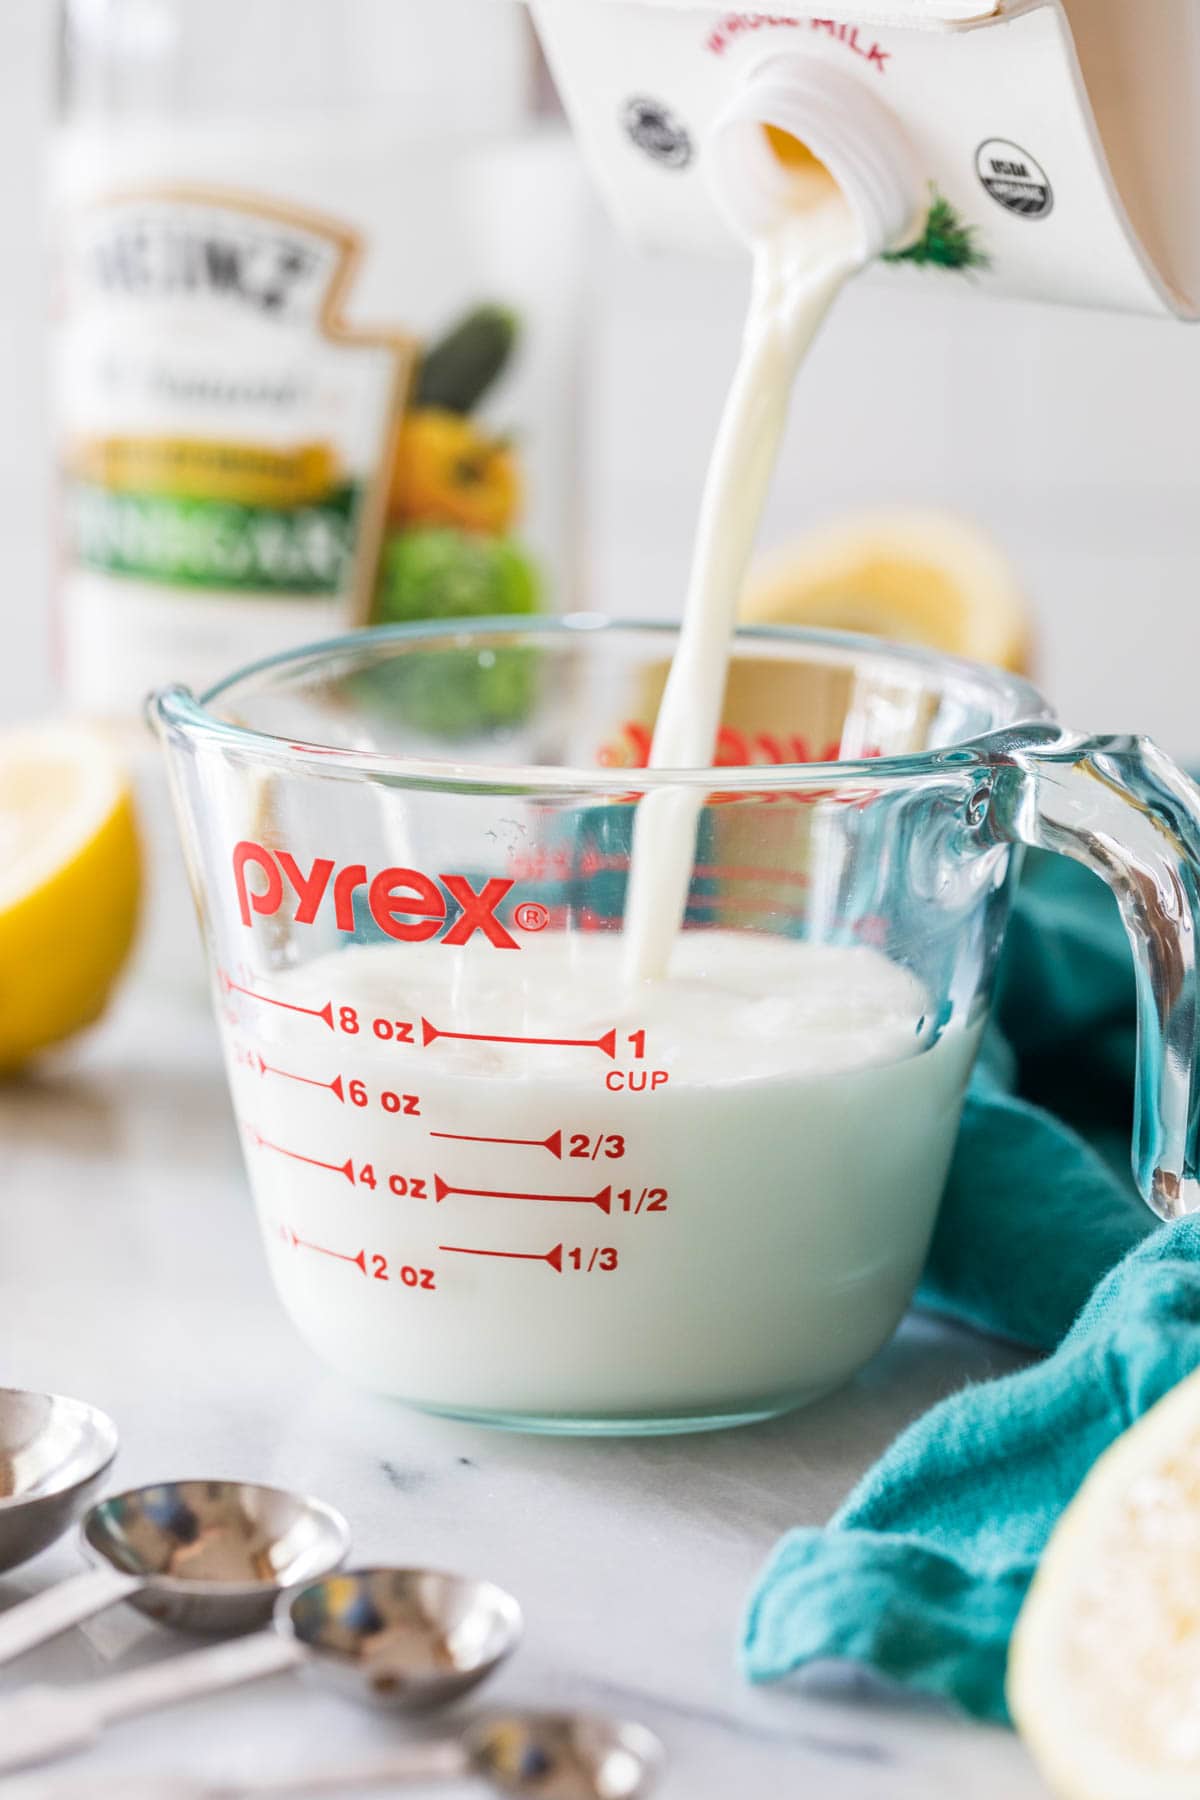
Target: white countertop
x=131 y=1275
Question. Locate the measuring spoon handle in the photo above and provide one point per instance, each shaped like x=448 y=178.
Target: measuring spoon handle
x=38 y=1724
x=444 y=1759
x=32 y=1622
x=440 y=1759
x=197 y=1672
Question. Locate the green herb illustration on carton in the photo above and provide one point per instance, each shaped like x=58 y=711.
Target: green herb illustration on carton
x=947 y=241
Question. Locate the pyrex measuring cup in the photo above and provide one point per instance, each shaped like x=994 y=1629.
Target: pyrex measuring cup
x=501 y=1179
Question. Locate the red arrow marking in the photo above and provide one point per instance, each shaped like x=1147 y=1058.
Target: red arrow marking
x=607 y=1043
x=603 y=1199
x=553 y=1143
x=314 y=1012
x=346 y=1168
x=553 y=1257
x=334 y=1086
x=360 y=1261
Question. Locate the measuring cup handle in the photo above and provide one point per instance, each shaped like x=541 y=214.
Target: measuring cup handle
x=1123 y=808
x=32 y=1622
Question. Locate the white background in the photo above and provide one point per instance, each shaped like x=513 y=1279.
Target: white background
x=1072 y=436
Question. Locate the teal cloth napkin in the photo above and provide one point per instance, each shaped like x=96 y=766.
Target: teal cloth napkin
x=922 y=1571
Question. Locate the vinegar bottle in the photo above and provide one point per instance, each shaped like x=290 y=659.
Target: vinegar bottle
x=267 y=218
x=316 y=318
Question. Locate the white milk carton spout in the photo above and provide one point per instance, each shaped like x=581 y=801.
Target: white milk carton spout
x=1050 y=148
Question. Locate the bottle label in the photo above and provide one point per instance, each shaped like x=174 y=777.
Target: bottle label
x=245 y=465
x=223 y=431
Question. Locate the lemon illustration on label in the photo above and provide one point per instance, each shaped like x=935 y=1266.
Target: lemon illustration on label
x=70 y=875
x=1103 y=1665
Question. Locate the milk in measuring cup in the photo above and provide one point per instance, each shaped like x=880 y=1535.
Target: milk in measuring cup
x=704 y=1197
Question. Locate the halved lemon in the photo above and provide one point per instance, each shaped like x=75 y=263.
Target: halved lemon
x=918 y=577
x=1104 y=1669
x=70 y=874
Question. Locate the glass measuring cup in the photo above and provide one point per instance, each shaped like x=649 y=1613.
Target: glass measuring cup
x=497 y=1178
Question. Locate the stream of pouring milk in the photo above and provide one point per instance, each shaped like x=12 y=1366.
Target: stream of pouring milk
x=800 y=268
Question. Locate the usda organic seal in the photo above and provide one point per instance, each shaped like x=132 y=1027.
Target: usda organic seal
x=1013 y=179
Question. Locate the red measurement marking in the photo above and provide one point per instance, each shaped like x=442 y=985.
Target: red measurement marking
x=603 y=1199
x=553 y=1143
x=334 y=1086
x=314 y=1012
x=299 y=1243
x=607 y=1043
x=553 y=1257
x=346 y=1168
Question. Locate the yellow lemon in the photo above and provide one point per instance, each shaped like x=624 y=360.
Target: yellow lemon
x=69 y=883
x=1104 y=1668
x=915 y=577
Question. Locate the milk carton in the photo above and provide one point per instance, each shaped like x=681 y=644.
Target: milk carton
x=1049 y=147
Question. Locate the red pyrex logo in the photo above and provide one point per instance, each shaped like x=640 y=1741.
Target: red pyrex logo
x=404 y=903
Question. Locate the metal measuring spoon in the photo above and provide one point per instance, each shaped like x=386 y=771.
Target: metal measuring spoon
x=200 y=1555
x=564 y=1756
x=410 y=1639
x=54 y=1453
x=548 y=1756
